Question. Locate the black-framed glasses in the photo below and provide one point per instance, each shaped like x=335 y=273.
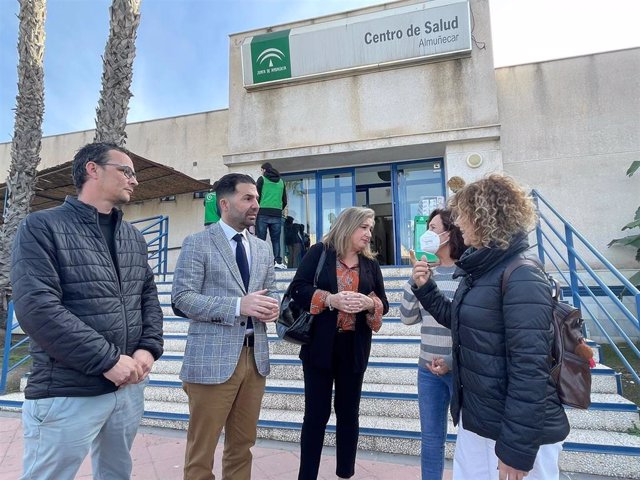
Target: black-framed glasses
x=126 y=169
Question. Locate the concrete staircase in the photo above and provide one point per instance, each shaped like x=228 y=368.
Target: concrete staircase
x=598 y=442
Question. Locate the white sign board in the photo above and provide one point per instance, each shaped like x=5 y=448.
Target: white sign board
x=412 y=33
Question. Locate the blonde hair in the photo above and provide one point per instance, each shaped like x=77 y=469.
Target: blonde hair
x=498 y=208
x=339 y=237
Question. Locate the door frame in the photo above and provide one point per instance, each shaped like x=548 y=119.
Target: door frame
x=395 y=193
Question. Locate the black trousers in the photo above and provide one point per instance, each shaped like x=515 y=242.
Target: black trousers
x=318 y=385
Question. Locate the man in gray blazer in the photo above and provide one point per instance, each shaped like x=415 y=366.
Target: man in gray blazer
x=225 y=284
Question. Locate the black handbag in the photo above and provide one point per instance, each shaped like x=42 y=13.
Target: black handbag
x=294 y=323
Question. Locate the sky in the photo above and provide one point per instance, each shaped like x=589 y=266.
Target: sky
x=182 y=55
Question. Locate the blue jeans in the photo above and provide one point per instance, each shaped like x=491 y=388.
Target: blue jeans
x=434 y=395
x=60 y=431
x=274 y=224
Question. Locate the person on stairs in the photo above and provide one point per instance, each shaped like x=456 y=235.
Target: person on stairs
x=511 y=423
x=348 y=303
x=434 y=364
x=85 y=294
x=211 y=214
x=273 y=199
x=224 y=282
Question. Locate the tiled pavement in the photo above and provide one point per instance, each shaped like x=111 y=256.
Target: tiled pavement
x=158 y=454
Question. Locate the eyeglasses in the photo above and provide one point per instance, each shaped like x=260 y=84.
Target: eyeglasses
x=126 y=169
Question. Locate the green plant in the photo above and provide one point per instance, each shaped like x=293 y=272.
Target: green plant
x=631 y=240
x=634 y=430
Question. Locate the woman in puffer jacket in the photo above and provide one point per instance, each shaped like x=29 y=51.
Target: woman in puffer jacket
x=510 y=420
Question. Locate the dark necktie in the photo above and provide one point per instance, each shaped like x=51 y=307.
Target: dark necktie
x=243 y=266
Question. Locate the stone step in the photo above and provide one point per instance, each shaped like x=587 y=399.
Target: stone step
x=394 y=339
x=585 y=451
x=382 y=346
x=389 y=284
x=388 y=273
x=394 y=294
x=394 y=309
x=390 y=327
x=386 y=370
x=608 y=411
x=384 y=343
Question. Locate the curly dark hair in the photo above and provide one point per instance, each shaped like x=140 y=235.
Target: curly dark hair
x=456 y=242
x=498 y=208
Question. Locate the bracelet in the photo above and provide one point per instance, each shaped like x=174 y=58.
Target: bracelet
x=329 y=303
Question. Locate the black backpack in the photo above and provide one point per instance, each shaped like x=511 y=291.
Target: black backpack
x=570 y=355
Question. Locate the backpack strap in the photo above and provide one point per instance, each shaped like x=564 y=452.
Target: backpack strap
x=517 y=262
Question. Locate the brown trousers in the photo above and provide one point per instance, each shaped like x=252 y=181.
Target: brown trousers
x=234 y=405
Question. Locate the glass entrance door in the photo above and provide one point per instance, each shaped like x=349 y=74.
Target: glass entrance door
x=373 y=190
x=338 y=192
x=301 y=217
x=396 y=192
x=420 y=190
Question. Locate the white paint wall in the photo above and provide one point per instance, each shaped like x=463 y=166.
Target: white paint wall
x=441 y=99
x=571 y=128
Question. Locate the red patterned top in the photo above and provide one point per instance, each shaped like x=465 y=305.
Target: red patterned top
x=348 y=281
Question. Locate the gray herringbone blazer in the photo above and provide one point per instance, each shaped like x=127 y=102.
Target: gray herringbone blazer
x=206 y=286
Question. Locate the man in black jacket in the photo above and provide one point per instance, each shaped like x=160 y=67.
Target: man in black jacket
x=85 y=294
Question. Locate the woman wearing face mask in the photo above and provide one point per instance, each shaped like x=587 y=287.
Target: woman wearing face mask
x=510 y=420
x=444 y=240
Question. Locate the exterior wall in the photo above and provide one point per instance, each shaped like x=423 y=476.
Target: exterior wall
x=570 y=129
x=321 y=121
x=456 y=159
x=191 y=144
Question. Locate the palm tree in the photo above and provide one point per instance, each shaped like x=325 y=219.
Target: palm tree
x=117 y=73
x=27 y=136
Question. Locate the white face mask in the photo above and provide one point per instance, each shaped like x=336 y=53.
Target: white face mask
x=430 y=241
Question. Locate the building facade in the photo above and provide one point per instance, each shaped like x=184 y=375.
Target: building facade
x=381 y=106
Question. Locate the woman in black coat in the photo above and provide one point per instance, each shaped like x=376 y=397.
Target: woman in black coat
x=510 y=420
x=348 y=304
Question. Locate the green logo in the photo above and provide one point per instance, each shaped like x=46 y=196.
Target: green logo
x=270 y=57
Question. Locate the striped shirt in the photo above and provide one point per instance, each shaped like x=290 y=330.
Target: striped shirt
x=435 y=339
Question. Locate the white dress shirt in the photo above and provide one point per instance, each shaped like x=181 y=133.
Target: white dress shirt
x=230 y=232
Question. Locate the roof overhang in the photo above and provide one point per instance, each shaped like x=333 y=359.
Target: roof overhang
x=154 y=181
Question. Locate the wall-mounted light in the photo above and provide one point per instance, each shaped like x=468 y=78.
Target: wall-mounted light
x=474 y=160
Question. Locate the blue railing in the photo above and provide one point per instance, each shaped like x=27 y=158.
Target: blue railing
x=8 y=348
x=562 y=247
x=156 y=233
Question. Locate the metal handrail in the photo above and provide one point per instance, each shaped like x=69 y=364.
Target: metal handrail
x=548 y=238
x=8 y=348
x=155 y=227
x=156 y=233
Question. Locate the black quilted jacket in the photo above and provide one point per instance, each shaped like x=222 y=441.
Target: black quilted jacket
x=68 y=298
x=501 y=349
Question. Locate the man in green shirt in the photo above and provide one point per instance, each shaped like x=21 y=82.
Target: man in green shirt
x=211 y=214
x=273 y=199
